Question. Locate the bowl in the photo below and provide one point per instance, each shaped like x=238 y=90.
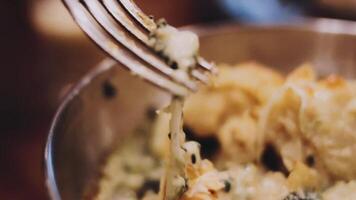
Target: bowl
x=109 y=102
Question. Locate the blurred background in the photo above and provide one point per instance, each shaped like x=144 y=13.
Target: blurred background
x=43 y=53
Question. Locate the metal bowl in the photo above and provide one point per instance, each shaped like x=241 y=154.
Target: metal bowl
x=110 y=102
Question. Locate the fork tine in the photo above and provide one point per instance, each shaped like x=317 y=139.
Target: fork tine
x=201 y=76
x=119 y=13
x=147 y=23
x=150 y=25
x=96 y=33
x=207 y=65
x=119 y=33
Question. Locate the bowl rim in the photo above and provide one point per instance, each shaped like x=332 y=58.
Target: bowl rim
x=50 y=179
x=317 y=25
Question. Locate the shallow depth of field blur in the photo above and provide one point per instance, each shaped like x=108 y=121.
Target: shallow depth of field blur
x=43 y=53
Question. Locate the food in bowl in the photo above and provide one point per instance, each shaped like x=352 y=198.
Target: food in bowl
x=263 y=135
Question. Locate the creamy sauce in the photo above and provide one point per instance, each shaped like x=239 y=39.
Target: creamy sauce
x=180 y=48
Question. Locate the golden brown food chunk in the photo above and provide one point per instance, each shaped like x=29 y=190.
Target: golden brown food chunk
x=303 y=177
x=279 y=126
x=344 y=191
x=255 y=79
x=204 y=112
x=235 y=91
x=238 y=137
x=328 y=122
x=251 y=182
x=303 y=73
x=204 y=181
x=272 y=186
x=308 y=117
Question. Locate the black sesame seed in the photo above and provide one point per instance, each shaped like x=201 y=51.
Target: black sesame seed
x=227 y=187
x=174 y=65
x=169 y=135
x=151 y=113
x=108 y=90
x=193 y=158
x=310 y=160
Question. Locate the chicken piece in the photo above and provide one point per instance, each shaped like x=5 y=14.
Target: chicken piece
x=279 y=126
x=328 y=122
x=203 y=112
x=246 y=179
x=208 y=186
x=234 y=91
x=341 y=190
x=204 y=182
x=255 y=79
x=238 y=137
x=318 y=118
x=206 y=111
x=303 y=178
x=250 y=182
x=304 y=73
x=271 y=187
x=279 y=120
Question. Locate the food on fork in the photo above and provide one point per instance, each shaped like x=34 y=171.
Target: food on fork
x=180 y=48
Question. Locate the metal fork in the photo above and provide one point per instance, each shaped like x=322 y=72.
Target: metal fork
x=122 y=30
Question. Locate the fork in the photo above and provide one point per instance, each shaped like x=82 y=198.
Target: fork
x=122 y=30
